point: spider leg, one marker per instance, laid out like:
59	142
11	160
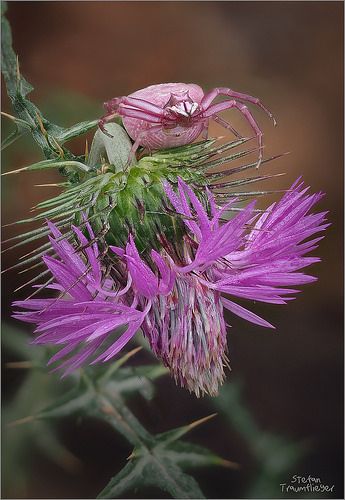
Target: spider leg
138	142
112	105
227	125
216	108
111	108
106	119
210	96
132	108
204	133
143	105
138	114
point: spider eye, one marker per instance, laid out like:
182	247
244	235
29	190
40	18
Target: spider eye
190	107
185	107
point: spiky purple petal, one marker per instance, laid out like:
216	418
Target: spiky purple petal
178	305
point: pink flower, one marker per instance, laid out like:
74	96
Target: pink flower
178	305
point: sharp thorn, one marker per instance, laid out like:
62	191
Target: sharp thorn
201	421
21	421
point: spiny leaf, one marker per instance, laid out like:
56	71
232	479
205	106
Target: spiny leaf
18	88
192	455
76	130
152	471
47	164
276	456
173	435
16	134
73	403
128	478
20	442
21	127
117	364
159	465
112	409
155	461
138	378
47	441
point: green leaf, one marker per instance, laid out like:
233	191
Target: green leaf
116	148
139	378
76	130
173	435
156	460
21	127
128	478
158	463
19	443
192	455
151	470
47	164
75	402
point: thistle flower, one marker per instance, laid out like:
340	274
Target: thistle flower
175	295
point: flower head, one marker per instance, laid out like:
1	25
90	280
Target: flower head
177	298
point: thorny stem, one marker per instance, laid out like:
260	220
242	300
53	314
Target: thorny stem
115	411
118	414
120	417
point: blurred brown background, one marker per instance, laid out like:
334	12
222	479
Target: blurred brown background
290	54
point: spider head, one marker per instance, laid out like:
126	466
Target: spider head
181	108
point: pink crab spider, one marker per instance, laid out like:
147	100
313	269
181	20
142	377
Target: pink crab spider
174	114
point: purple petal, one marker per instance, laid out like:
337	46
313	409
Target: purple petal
245	314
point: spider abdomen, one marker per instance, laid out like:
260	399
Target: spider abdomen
159	138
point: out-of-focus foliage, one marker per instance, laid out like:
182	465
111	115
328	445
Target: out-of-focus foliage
20	441
274	455
156	460
29	419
